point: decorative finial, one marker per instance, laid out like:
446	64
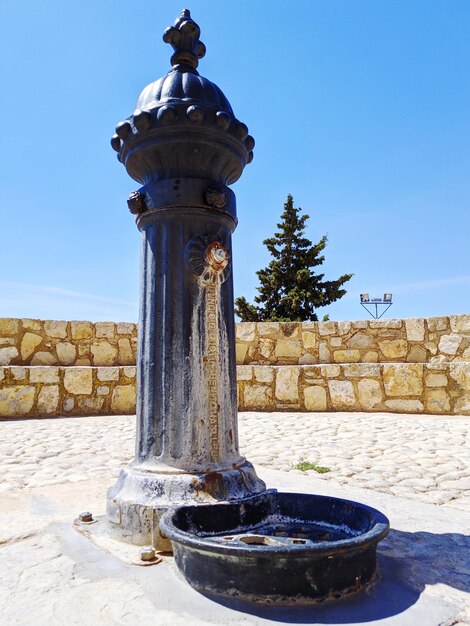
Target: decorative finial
184	38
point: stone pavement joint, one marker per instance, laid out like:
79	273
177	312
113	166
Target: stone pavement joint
425	458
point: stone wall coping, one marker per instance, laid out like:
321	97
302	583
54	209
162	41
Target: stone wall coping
368	320
381	323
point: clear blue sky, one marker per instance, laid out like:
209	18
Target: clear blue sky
360	109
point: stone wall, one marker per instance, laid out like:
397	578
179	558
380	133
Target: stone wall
51	342
51	391
53	368
438	388
414	340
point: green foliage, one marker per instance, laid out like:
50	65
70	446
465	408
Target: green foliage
304	466
289	288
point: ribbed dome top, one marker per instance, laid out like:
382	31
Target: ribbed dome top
184	86
183	126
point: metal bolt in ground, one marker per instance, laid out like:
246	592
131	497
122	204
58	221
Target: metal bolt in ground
147	553
85	517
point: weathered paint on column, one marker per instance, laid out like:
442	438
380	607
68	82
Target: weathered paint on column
186	406
184	145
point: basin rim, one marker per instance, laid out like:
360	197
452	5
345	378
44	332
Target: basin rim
357	543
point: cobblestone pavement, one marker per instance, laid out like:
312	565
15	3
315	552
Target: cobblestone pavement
417	457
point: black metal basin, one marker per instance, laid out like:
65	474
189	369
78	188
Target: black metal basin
277	547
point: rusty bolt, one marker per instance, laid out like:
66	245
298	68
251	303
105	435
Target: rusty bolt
147	553
85	517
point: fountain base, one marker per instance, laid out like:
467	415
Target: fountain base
140	497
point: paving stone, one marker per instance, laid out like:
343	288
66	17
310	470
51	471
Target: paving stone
420	457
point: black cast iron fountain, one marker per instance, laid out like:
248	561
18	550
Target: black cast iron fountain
185	145
188	483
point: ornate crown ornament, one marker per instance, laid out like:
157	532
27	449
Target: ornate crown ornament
183	128
183	36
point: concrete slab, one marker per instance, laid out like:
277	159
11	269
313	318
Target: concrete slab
50	574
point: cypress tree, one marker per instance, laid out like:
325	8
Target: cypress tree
289	288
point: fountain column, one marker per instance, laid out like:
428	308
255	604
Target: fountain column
185	146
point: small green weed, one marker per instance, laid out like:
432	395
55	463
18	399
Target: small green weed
304	465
